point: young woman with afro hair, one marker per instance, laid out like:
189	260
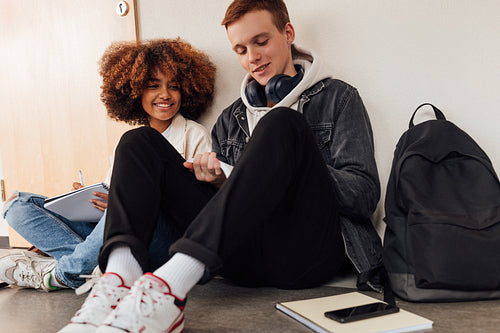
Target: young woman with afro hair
162	85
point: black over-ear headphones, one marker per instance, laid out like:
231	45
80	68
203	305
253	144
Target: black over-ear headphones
276	88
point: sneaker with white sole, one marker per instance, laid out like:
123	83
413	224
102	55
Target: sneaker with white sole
27	269
91	280
149	307
104	297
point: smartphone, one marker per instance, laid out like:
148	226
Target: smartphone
360	312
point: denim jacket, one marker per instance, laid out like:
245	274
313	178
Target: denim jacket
337	116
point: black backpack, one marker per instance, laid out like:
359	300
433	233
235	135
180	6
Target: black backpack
442	206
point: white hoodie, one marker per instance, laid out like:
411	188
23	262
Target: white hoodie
313	72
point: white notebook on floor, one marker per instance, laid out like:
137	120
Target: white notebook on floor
311	313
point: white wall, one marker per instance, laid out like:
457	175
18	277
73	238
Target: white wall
398	54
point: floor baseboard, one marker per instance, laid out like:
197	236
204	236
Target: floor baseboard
4	242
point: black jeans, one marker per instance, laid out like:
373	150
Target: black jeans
274	221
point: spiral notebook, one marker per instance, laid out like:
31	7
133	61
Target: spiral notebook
75	205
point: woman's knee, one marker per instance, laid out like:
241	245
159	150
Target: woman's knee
138	135
138	139
18	206
12	197
8	203
10	208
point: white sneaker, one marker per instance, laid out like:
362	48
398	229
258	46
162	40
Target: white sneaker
27	269
103	298
91	280
149	307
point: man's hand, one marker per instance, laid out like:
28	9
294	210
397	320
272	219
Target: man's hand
206	168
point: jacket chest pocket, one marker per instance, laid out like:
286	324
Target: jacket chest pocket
232	150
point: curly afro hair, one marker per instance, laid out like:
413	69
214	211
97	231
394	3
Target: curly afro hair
126	68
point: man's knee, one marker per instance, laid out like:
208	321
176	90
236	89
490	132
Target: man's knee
283	114
283	120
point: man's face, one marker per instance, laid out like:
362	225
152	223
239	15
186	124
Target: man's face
262	50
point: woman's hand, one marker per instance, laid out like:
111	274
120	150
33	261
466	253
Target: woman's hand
206	168
101	203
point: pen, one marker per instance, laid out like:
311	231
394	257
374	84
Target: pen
81	177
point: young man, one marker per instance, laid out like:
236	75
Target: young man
303	187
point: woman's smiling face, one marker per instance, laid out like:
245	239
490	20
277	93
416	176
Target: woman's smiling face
161	100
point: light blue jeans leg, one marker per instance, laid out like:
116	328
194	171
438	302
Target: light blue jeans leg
51	233
83	259
75	245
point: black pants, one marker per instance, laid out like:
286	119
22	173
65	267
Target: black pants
274	221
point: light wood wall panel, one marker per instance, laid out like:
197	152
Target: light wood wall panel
52	122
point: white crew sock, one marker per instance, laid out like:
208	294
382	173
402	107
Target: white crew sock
53	282
181	272
122	262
